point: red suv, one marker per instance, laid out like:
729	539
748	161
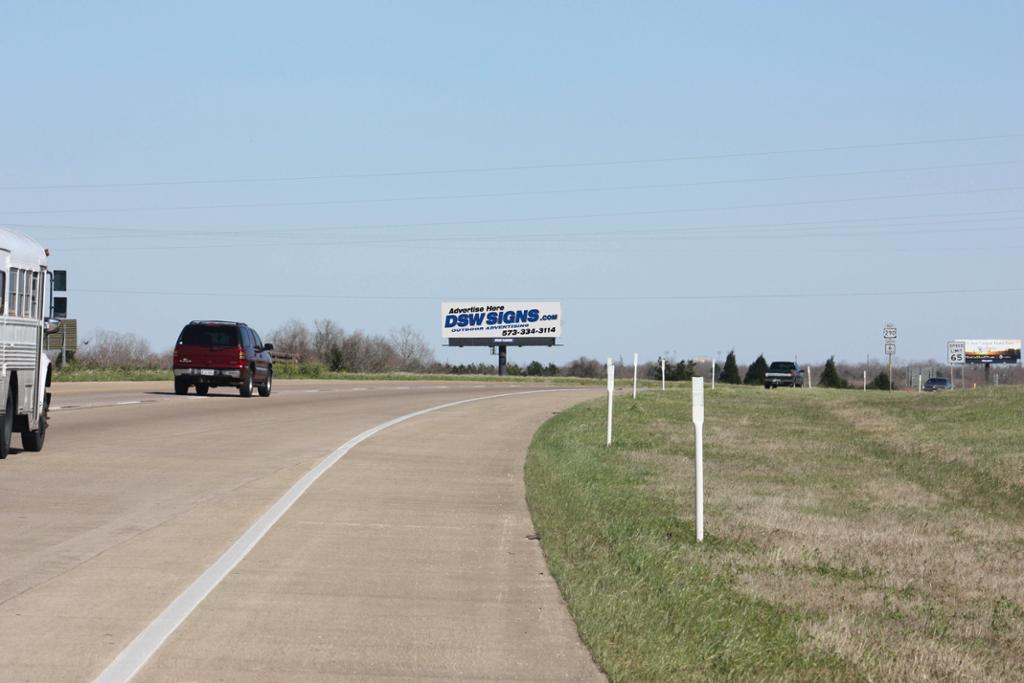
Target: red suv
217	353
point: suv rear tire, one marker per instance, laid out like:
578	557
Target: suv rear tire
202	389
245	389
264	388
180	386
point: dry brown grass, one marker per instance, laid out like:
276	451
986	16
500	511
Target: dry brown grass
897	533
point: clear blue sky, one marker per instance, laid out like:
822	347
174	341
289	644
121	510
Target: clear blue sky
124	101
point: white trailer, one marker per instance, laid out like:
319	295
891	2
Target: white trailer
25	373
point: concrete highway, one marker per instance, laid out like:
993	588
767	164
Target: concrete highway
176	538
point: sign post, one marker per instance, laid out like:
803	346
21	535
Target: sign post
698	460
956	354
889	336
636	360
611	393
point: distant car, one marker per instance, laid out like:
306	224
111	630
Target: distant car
783	374
938	384
217	353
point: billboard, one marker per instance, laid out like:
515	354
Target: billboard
991	350
506	321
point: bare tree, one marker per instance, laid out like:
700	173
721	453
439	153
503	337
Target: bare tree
328	339
109	349
293	338
362	353
413	352
584	367
379	355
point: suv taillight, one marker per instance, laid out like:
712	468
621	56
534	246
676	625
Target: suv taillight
241	357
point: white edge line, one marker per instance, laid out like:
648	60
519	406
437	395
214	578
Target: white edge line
135	655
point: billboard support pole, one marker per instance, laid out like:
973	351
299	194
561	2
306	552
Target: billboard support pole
502	361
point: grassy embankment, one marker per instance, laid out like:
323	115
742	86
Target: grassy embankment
850	535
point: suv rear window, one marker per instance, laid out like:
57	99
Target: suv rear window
209	335
779	366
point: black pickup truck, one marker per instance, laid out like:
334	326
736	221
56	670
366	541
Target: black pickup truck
783	374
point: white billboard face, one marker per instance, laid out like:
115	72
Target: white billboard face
992	350
501	320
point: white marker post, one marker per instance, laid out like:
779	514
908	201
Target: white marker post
663	374
712	376
809	379
919	383
636	361
865	380
698	460
611	392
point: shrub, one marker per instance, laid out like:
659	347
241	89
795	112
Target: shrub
730	372
756	371
830	376
881	381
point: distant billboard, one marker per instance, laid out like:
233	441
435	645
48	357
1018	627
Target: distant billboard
501	321
992	351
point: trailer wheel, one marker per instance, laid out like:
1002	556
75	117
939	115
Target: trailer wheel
32	440
7	425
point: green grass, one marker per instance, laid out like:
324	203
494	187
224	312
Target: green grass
850	535
74	374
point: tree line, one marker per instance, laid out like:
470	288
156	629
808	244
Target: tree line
325	346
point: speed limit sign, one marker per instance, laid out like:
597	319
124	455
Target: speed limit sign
956	352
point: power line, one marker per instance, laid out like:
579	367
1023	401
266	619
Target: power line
661	235
291	231
525	167
682	297
265	205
